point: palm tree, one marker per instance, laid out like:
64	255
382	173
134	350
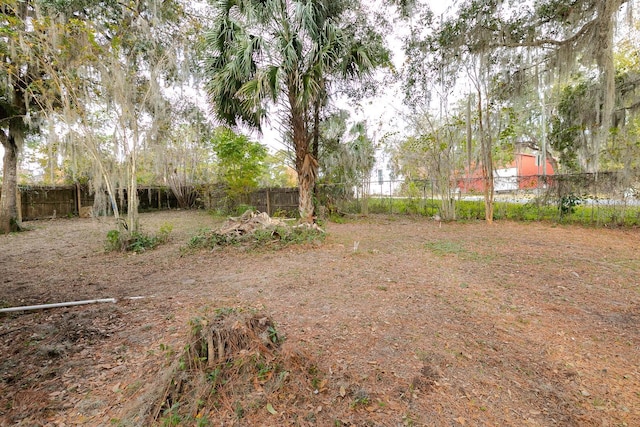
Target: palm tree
348	157
284	53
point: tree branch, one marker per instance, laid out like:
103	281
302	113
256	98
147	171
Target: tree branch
547	41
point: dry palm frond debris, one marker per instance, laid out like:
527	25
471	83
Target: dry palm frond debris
249	222
258	228
234	366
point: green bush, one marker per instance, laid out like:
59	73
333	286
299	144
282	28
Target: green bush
567	203
113	241
275	237
571	209
379	206
470	209
136	242
242	208
208	239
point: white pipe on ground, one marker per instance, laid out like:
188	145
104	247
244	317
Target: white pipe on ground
57	304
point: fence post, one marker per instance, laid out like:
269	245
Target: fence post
268	195
595	199
78	198
19	204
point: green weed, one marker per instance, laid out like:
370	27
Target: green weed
170	417
273	237
242	208
136	242
238	410
361	399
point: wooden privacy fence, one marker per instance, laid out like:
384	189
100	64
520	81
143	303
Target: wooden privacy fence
42	202
275	200
269	200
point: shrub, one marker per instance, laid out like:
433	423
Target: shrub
274	237
136	242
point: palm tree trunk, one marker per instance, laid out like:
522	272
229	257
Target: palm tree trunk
305	205
315	148
8	199
306	164
306	182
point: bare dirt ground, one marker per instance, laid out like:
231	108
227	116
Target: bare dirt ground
408	322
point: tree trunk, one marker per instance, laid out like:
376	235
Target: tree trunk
487	167
132	187
607	11
305	193
487	161
306	164
132	197
306	182
9	221
315	147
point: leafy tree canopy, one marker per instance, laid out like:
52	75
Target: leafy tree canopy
241	162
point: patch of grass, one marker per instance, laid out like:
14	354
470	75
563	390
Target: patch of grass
445	247
409	420
449	247
337	219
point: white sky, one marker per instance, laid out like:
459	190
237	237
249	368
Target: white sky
383	112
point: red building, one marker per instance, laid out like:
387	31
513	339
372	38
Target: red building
522	173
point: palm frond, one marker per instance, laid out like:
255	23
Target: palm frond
279	51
